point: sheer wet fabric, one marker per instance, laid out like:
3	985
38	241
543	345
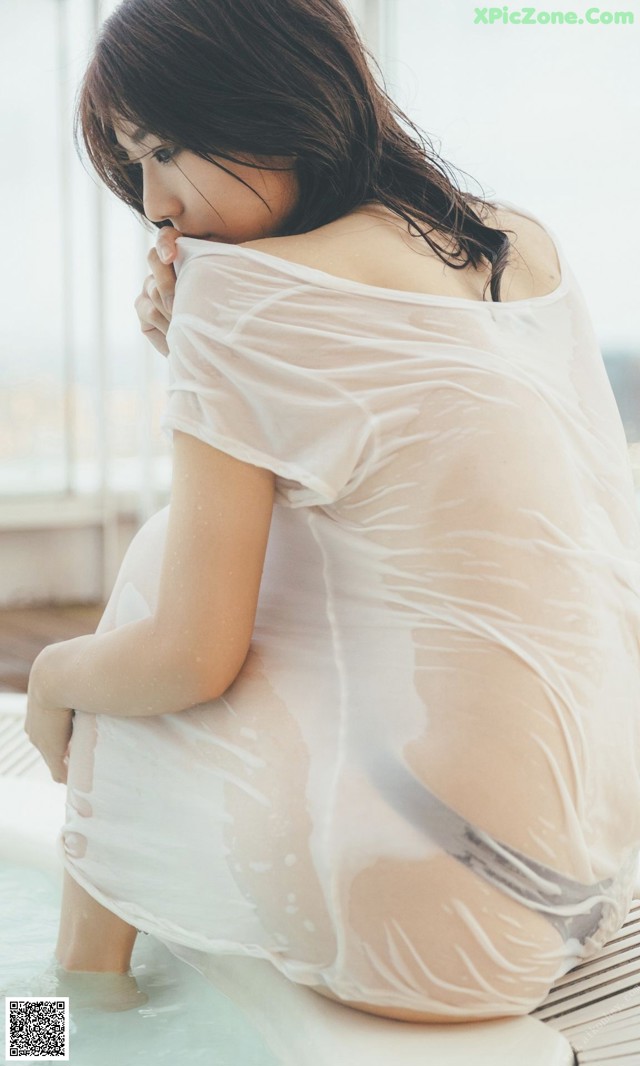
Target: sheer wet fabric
423	788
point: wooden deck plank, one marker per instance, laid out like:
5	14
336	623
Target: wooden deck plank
25	631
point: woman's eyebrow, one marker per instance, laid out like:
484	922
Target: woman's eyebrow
137	136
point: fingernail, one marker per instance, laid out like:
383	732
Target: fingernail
164	254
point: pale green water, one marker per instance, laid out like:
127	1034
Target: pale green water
186	1021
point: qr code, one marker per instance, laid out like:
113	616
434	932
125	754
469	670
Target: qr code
37	1027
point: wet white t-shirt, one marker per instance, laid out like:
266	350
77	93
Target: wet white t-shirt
423	788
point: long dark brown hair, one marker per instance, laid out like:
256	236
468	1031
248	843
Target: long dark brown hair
270	78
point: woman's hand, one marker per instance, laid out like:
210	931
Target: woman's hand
154	304
48	727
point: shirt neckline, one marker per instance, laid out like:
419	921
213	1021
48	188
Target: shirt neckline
335	281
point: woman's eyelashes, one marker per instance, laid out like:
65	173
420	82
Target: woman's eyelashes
163	156
169	152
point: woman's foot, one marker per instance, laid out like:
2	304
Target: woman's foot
86	989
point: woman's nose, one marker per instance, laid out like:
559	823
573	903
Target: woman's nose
159	204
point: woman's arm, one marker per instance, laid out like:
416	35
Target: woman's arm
125	672
194	646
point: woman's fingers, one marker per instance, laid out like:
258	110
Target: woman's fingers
165	279
154	323
166	243
149	307
155	303
158	339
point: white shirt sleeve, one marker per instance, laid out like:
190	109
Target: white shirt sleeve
244	378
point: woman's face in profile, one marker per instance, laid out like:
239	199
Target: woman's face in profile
202	200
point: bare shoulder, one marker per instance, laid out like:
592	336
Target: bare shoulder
339	248
335	243
374	246
534	255
298	247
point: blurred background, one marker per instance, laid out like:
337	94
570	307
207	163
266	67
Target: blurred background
545	116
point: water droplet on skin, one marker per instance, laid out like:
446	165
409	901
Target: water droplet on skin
290	909
291	896
290	859
308	924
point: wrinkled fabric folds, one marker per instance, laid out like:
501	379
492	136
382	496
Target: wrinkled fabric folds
423	789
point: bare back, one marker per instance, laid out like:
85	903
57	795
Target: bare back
373	246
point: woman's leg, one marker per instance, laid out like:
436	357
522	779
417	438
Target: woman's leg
91	937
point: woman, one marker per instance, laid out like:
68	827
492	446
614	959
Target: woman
363	701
